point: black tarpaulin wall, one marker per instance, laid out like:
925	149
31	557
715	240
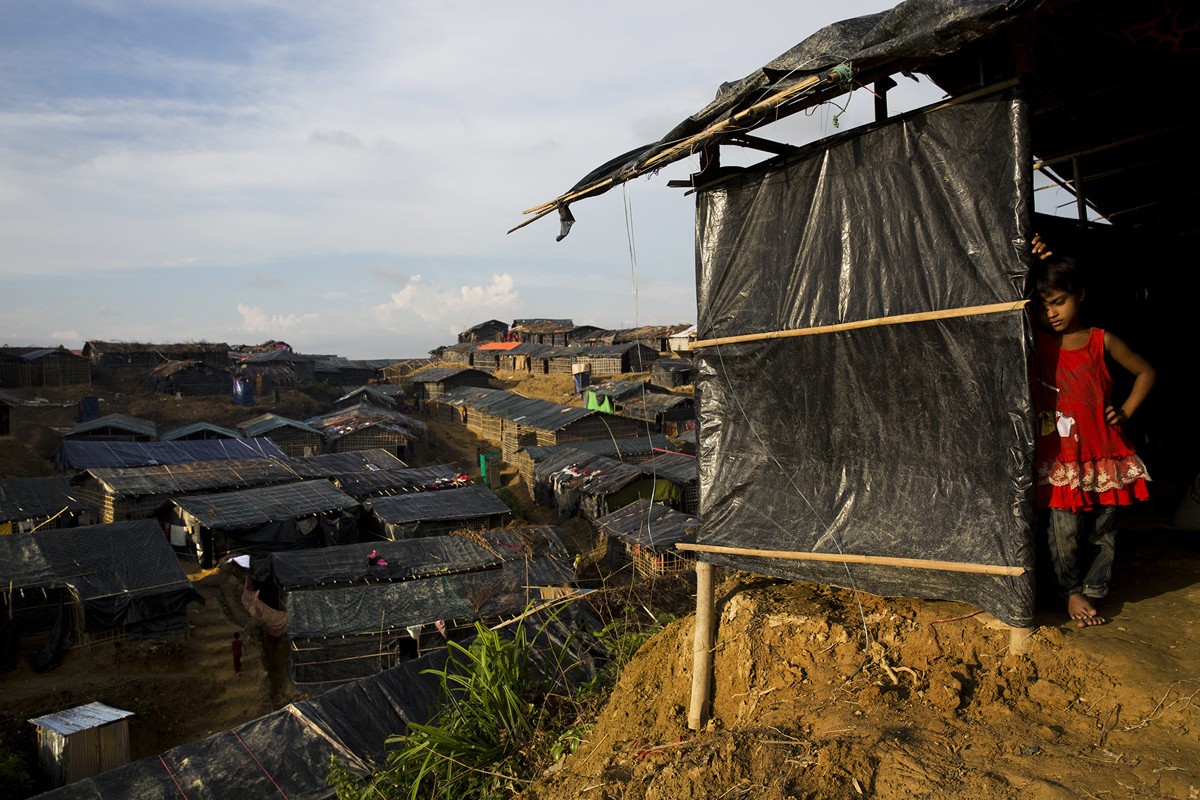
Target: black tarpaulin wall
910	440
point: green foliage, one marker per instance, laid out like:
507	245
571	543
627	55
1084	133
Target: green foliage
498	727
15	780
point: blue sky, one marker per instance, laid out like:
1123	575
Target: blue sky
341	175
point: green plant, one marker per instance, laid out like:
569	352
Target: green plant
15	780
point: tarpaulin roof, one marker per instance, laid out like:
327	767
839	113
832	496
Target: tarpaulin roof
677	467
1073	57
650	406
540	414
263	424
601	475
343	422
196	427
141	427
619	390
648	524
197	476
467	502
110	567
365	484
253	507
27	498
76	455
440	374
330	465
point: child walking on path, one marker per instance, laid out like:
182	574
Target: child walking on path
235	647
1086	466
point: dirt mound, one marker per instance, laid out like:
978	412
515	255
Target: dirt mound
820	692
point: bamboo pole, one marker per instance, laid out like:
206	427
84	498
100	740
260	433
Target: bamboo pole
897	319
854	558
702	647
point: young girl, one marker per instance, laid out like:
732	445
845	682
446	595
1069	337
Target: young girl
1085	465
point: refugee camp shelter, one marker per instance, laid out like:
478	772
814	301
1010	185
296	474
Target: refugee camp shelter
366	426
630	449
294	437
578	482
491	331
81	742
351	630
384	395
87	584
386	482
673	372
648	533
42	366
144	355
863	343
263	520
521	357
122	493
430	384
113	428
663	412
80	455
198	431
460	354
617	359
29	504
413	514
189	379
656	337
553	332
559	360
610	396
684	471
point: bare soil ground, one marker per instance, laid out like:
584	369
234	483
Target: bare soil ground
819	692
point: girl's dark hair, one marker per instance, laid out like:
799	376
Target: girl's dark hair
1057	274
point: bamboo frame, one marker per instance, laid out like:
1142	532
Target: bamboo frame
875	322
854	558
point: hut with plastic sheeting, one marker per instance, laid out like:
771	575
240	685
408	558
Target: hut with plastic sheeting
263	520
123	493
386	482
521	357
189	379
82	742
684	471
42	366
87	584
617	359
113	428
366	426
288	752
630	449
646	534
431	384
663	413
384	395
31	504
292	436
863	342
491	331
343	632
85	455
673	372
558	360
413	514
656	337
577	482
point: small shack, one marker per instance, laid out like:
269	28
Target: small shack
684	471
367	426
521	357
293	437
577	482
31	504
491	331
673	372
189	379
630	449
431	384
39	367
263	520
81	742
414	514
351	372
113	428
610	397
617	359
648	533
664	413
553	332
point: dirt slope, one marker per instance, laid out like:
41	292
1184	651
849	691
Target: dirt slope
934	706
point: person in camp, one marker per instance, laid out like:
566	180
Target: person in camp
1086	467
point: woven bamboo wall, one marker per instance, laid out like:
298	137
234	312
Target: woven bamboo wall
649	564
370	439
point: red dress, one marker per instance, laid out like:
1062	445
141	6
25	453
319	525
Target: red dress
1082	461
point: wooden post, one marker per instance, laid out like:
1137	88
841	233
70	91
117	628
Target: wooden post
702	647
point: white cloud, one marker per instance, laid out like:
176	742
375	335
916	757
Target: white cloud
256	320
433	303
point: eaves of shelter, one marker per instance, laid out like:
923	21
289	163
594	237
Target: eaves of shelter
250	507
196	476
645	523
530	412
121	422
439	374
265	423
24	498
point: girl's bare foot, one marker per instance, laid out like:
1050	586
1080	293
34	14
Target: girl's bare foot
1082	611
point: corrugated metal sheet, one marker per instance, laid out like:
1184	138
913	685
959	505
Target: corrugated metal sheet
80	718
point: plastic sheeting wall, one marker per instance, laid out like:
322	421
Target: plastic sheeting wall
911	440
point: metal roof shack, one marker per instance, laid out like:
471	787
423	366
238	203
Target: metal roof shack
667	413
630	449
558	360
29	504
414	514
673	372
263	520
366	426
430	384
684	471
83	741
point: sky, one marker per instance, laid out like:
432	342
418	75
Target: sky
341	176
